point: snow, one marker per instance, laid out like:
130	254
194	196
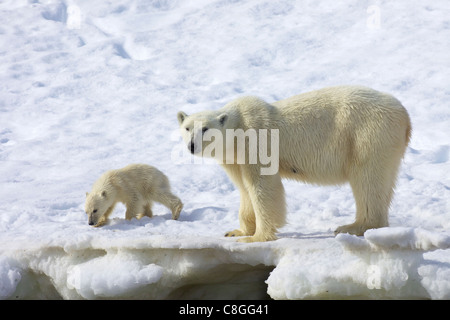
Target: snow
88	86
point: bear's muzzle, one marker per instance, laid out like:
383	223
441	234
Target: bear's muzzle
191	147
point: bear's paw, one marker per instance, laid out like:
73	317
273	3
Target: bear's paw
234	233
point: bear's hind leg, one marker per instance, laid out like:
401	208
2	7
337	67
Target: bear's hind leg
373	191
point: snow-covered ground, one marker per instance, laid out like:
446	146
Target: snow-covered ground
88	86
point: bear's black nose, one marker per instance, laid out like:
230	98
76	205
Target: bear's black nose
91	223
191	147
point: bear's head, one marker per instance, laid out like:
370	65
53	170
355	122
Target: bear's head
202	131
96	206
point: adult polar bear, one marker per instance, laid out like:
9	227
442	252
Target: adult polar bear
329	136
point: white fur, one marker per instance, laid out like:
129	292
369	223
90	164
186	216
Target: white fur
329	136
137	186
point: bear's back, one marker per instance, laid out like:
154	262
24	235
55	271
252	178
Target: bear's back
332	127
353	98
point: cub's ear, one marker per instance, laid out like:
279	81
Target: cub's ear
87	193
104	194
223	118
181	116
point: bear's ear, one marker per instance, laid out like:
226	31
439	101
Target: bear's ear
87	193
223	118
104	194
181	116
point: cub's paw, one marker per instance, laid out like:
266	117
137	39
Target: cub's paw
176	210
100	224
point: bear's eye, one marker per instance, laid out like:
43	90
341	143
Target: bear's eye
204	129
187	129
95	211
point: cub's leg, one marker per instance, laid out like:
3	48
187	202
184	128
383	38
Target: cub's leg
171	201
147	211
132	210
104	219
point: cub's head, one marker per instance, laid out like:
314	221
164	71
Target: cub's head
96	206
202	129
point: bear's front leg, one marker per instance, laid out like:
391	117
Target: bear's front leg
246	216
266	193
246	213
355	228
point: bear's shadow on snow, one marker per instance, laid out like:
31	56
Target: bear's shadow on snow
298	235
198	214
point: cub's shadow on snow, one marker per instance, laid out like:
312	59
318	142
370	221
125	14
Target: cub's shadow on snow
159	219
125	225
205	213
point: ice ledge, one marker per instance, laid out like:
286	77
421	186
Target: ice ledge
386	263
396	238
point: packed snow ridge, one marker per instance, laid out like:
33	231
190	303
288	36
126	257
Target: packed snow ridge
89	86
386	263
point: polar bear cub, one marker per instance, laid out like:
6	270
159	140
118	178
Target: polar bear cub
329	136
136	186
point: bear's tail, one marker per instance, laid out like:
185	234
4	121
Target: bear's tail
408	130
